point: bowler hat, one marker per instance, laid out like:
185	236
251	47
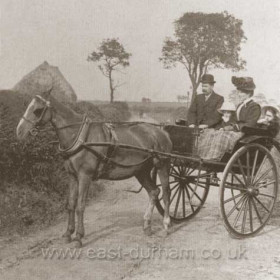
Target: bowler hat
207	79
243	83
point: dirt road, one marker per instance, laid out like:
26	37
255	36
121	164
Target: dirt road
115	247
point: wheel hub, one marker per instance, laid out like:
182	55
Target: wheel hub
252	192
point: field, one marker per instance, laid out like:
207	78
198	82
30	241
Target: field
158	111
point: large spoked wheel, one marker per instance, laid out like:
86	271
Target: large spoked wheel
188	192
248	190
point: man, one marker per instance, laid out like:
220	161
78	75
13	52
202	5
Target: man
204	109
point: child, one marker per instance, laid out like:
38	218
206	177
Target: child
270	121
227	110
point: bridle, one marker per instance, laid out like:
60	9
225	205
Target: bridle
36	124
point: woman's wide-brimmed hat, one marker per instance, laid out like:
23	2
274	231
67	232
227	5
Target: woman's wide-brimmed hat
227	106
272	107
243	83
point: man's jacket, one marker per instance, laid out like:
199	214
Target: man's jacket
204	111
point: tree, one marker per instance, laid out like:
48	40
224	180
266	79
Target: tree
203	41
111	56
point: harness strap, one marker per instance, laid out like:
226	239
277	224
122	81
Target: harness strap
106	159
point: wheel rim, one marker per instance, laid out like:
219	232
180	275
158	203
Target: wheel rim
248	190
187	195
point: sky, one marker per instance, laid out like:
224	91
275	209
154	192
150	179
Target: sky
65	32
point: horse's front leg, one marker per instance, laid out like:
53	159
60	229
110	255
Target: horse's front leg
84	182
71	205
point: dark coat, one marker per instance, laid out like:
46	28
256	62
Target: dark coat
248	115
272	127
205	112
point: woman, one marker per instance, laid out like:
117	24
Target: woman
213	144
248	111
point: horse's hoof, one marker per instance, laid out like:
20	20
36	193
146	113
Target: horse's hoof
148	231
77	243
67	239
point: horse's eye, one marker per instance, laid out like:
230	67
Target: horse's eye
38	112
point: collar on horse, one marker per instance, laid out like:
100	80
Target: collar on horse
79	140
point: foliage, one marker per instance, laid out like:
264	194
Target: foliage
203	41
115	112
111	56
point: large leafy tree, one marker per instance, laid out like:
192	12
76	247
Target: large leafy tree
110	56
203	41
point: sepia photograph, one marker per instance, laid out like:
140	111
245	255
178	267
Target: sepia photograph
139	139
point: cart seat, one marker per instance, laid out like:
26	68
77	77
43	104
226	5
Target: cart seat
183	138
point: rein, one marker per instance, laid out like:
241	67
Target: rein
82	134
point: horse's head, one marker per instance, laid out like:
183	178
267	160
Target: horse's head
37	114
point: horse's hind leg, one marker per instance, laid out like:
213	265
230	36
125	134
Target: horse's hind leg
163	173
153	192
71	205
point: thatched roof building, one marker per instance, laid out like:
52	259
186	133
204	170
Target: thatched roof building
43	78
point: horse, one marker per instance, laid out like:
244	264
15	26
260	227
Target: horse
85	164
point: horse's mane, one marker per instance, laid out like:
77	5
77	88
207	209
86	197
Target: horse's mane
64	109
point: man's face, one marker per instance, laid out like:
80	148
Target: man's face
268	116
207	88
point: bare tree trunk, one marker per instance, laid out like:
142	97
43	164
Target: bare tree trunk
194	90
111	87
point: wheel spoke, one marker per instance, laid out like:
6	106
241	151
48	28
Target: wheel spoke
184	169
242	171
236	177
250	214
267	195
202	186
244	216
233	198
171	190
261	204
248	164
191	172
236	205
173	168
261	166
174	195
254	165
194	193
256	210
263	175
189	197
239	213
266	184
177	203
184	202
